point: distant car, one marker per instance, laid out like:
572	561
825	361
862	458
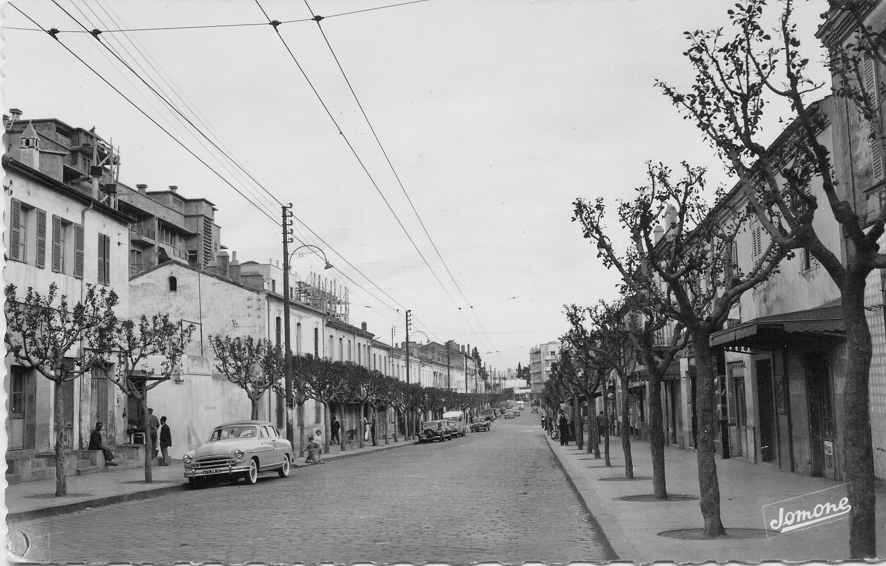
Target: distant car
239	449
479	424
451	428
432	431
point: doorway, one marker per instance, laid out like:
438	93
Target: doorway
765	410
821	418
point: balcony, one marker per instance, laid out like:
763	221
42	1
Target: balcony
144	232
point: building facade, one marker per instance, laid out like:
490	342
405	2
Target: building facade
540	359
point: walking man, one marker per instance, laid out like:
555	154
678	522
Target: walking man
165	442
153	424
336	426
563	425
602	424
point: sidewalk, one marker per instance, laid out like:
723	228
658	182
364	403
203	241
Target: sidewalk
632	527
34	499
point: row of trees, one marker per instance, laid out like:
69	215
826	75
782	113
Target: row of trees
61	341
680	281
258	367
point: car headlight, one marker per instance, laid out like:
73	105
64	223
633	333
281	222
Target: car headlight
238	455
188	459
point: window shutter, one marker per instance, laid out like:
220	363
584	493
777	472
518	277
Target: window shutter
871	86
104	248
40	259
16	232
78	250
57	262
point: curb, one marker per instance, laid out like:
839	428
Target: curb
614	538
99	502
356	452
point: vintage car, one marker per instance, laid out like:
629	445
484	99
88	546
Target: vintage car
432	431
240	449
452	428
458	419
479	424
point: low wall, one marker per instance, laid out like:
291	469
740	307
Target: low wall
30	465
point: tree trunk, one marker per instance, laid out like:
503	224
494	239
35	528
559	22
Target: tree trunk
606	459
300	417
576	423
255	407
362	427
626	428
61	482
858	457
708	486
149	445
656	437
326	426
593	431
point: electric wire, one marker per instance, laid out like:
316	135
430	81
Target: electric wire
170	104
317	20
145	114
351	147
216	26
54	33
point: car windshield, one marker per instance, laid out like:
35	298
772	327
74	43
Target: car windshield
233	432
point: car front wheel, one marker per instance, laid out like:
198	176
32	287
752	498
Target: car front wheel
252	474
285	468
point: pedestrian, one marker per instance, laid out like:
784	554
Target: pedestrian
165	442
365	429
372	430
313	450
318	438
563	425
602	424
153	425
95	443
336	427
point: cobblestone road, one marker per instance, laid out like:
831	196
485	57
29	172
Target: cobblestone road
488	496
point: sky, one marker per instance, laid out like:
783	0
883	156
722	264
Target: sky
496	114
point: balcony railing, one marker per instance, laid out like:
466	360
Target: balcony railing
143	230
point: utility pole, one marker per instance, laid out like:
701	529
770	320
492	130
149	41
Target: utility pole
287	239
408	326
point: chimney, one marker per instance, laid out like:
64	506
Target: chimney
221	259
173	188
363	326
235	268
142	188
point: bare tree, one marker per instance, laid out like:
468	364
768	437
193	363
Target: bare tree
687	275
242	361
132	343
737	76
42	330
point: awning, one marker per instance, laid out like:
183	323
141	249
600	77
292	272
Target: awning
812	327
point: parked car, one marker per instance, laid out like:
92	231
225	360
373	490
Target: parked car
432	431
239	449
458	419
480	424
451	428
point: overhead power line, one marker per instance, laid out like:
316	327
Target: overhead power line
203	162
217	26
394	170
352	148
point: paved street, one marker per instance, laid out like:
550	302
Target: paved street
488	496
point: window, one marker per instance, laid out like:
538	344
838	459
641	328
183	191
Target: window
316	342
104	259
173	284
17	393
17	231
135	262
871	85
341	350
273	285
331	351
60	238
349	351
277	333
78	251
298	338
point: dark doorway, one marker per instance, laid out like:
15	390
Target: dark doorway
765	410
674	398
821	421
739	416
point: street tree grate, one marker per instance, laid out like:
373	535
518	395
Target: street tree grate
698	534
651	497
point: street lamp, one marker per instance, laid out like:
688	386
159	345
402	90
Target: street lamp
287	258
